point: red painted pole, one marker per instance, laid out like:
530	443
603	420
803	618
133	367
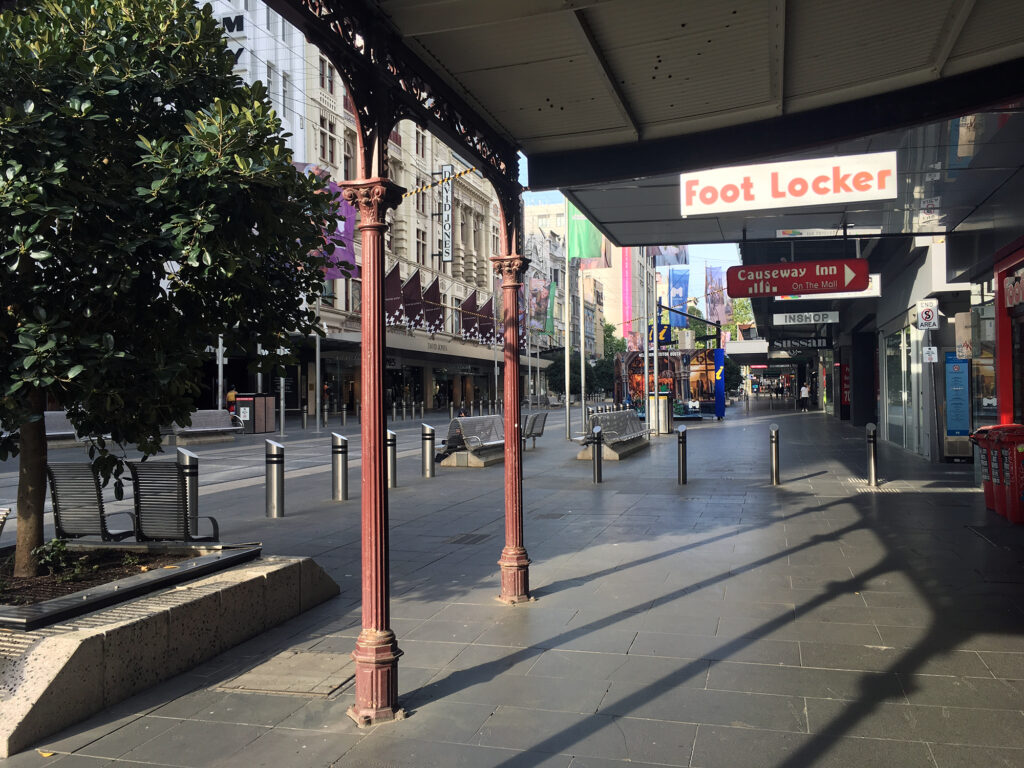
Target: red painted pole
376	653
514	562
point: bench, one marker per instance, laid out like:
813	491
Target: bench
78	503
622	432
161	503
474	441
4	514
58	427
208	427
534	427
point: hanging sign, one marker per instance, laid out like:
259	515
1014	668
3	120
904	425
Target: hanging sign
799	277
447	183
805	318
823	181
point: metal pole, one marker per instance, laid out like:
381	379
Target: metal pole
317	388
773	441
394	411
280	407
220	371
275	479
188	466
259	373
359	413
583	352
326	414
344	415
567	320
305	417
428	450
339	467
647	325
657	384
681	431
451	410
392	450
598	448
404	404
872	439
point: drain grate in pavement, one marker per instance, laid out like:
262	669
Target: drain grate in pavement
468	538
870	489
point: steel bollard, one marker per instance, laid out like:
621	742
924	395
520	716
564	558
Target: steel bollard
428	450
681	431
773	441
339	467
872	440
403	410
275	479
327	413
451	411
281	404
598	448
423	410
188	466
472	408
305	417
344	415
359	413
394	411
392	450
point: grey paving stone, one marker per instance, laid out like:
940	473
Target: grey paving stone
127	737
977	692
735	649
801	681
608	666
277	748
195	744
889	659
1009	666
955	756
908	722
555	694
383	751
324	716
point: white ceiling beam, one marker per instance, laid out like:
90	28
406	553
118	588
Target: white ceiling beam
608	77
777	56
954	24
421	18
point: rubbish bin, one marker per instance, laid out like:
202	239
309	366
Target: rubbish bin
1011	451
246	411
664	413
985	439
256	410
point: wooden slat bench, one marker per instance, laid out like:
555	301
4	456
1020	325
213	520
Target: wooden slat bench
5	512
161	503
474	441
534	427
78	503
208	427
623	435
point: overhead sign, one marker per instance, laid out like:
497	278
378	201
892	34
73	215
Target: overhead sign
873	291
806	343
805	318
928	316
447	183
800	277
823	181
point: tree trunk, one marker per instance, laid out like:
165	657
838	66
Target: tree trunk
31	487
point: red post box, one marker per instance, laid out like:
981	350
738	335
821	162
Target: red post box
1011	450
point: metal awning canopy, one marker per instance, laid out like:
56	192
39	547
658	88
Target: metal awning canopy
610	99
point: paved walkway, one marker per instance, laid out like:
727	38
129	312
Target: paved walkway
721	624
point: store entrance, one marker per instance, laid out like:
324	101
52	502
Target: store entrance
1017	326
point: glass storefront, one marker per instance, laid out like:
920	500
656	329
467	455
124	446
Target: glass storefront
901	389
983	362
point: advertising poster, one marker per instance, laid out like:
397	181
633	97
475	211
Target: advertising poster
678	292
958	402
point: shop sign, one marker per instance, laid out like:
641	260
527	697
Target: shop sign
447	183
815	342
928	315
800	277
805	318
1013	290
873	291
823	181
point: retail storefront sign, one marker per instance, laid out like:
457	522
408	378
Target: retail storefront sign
822	181
801	277
805	318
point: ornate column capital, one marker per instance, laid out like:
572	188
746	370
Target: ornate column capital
372	197
510	269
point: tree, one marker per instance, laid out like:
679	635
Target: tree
733	375
612	344
147	204
742	313
556	374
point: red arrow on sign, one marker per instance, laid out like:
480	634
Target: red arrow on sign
798	277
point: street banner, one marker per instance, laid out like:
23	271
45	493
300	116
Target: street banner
487	322
393	312
470	317
720	383
433	312
585	242
678	292
669	255
714	288
412	301
338	235
541	305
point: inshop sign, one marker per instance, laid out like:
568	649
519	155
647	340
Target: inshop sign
823	181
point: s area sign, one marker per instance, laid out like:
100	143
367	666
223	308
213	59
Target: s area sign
798	277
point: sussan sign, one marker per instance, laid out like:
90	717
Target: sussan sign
802	277
784	185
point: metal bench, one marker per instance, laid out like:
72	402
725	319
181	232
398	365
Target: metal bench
78	503
4	514
534	427
58	427
161	503
474	441
622	432
207	427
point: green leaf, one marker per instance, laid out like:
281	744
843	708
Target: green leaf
29	361
75	370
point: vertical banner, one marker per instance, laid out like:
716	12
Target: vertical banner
447	184
720	383
678	291
585	242
958	403
627	293
714	289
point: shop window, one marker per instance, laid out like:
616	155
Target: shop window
357	296
421	247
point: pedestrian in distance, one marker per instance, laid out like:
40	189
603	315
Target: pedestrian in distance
805	393
232	393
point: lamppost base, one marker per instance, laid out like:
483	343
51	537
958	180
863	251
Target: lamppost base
515	575
376	656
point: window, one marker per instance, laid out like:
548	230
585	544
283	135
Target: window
269	19
421	246
357	296
323	137
286	32
270	79
495	244
346	158
421	197
476	234
542	222
330	150
421	142
328	295
456	315
285	93
330	78
323	72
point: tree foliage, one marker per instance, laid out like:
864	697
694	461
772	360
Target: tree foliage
613	344
147	204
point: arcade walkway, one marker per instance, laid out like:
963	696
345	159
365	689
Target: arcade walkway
721	624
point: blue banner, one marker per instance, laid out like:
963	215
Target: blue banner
958	402
720	383
678	291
